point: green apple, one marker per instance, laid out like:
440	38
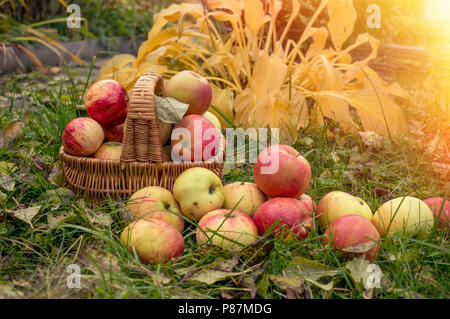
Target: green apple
198	191
213	119
407	215
336	204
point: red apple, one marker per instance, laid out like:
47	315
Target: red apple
82	136
195	138
308	202
223	224
353	231
280	171
154	202
247	196
155	241
109	151
191	88
113	133
294	218
435	203
106	102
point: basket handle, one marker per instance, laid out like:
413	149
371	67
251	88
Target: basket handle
142	137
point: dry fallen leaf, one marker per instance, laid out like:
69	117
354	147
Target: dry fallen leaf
26	214
3	197
311	271
7	181
8	292
99	261
57	218
13	132
360	248
294	287
362	271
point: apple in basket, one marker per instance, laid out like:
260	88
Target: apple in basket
191	88
227	229
109	151
113	133
154	202
195	138
155	241
106	102
280	171
82	136
213	119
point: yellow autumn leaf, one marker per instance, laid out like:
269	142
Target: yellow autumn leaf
342	17
116	63
319	37
378	112
223	99
330	79
254	15
234	6
269	74
175	11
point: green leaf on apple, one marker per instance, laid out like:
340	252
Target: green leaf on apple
169	109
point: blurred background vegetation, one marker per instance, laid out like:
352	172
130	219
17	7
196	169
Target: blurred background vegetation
131	18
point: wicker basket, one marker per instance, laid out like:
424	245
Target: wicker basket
141	163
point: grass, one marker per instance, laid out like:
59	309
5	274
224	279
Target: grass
34	259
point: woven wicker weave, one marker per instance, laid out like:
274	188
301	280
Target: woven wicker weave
141	163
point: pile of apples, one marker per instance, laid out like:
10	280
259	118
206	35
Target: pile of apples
100	135
234	215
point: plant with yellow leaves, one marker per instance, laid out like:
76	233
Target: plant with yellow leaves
262	78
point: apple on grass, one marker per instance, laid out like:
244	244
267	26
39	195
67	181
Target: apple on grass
198	191
440	209
155	241
355	234
195	138
191	88
280	171
247	196
337	203
106	102
155	202
292	218
406	215
109	151
226	228
308	202
82	136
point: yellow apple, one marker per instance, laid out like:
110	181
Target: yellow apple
155	241
198	191
155	202
407	215
225	228
248	195
336	204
